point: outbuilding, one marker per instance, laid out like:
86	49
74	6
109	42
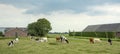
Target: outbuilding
115	27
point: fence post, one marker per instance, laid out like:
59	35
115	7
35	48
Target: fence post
106	34
81	34
96	34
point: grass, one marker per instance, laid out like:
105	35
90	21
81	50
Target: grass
76	46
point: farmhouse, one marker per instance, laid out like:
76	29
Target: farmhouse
12	31
104	28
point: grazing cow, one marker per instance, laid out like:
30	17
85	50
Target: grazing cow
37	39
16	40
110	41
93	40
44	39
64	39
31	37
97	40
58	39
11	43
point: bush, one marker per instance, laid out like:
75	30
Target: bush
1	34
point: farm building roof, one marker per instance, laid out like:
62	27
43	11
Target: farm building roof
4	29
103	28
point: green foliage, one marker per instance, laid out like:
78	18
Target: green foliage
16	34
111	34
72	33
39	28
88	34
1	33
93	34
31	29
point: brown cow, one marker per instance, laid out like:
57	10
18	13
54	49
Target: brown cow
58	39
91	40
62	39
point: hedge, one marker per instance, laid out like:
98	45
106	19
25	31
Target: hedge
93	34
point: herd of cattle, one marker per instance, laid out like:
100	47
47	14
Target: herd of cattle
61	39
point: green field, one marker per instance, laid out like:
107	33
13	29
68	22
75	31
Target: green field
76	46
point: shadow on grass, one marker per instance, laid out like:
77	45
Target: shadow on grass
3	38
53	43
117	40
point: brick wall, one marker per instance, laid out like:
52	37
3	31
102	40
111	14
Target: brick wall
118	34
13	31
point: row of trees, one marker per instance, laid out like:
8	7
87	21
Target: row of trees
39	28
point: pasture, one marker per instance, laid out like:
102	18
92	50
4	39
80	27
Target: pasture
76	46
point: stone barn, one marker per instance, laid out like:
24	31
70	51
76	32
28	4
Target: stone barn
104	28
8	32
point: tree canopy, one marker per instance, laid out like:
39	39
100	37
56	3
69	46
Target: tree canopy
1	33
39	28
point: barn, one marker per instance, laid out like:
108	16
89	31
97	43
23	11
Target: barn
13	31
115	27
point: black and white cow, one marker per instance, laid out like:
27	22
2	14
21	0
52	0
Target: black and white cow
11	43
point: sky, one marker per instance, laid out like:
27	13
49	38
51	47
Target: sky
64	15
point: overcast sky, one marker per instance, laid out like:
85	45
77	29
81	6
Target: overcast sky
64	15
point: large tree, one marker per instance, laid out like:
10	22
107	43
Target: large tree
39	28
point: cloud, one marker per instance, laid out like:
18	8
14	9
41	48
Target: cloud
37	7
113	9
61	20
78	21
12	16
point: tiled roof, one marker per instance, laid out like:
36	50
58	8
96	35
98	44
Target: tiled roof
4	29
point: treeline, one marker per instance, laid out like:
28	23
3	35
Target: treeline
93	34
